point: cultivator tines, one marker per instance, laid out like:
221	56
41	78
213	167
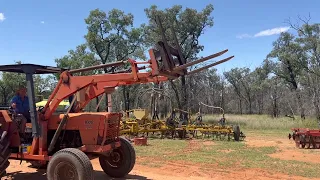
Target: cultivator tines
181	127
140	125
306	138
217	132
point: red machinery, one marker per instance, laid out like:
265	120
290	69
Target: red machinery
66	142
306	138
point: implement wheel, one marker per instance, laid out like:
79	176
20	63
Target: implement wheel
70	164
303	141
120	162
236	133
4	152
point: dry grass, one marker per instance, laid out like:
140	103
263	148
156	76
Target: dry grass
263	122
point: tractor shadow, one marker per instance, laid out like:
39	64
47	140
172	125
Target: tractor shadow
20	175
41	175
102	175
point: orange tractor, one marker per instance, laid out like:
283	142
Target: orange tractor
65	143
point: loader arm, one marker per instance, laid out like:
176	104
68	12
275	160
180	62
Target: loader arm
94	85
166	62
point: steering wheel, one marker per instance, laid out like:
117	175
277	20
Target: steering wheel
11	110
40	108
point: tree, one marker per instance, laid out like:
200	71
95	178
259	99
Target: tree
291	60
189	25
287	79
11	81
78	58
44	85
309	39
241	80
260	85
9	84
113	38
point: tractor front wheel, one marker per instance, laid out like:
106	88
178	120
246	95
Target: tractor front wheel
70	163
120	162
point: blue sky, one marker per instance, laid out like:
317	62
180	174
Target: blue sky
37	31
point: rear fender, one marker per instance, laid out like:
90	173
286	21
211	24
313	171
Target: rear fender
11	127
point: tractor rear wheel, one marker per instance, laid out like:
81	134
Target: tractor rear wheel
120	162
4	152
70	163
236	131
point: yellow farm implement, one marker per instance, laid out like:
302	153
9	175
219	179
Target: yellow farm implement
137	123
140	123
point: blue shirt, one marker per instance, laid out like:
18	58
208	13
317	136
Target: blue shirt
22	106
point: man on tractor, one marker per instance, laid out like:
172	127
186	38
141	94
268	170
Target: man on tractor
20	103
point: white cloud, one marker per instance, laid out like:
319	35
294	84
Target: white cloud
2	18
268	32
241	36
42	22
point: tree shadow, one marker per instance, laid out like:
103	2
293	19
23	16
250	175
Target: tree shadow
41	175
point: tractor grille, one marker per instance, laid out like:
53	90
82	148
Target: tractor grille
113	127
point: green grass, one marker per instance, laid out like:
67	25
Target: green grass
161	148
262	122
225	155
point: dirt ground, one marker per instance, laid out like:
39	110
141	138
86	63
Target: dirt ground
184	170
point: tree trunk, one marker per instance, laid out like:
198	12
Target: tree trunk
240	105
275	103
275	107
316	102
316	106
176	94
127	99
151	105
259	104
184	93
250	105
222	97
300	104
